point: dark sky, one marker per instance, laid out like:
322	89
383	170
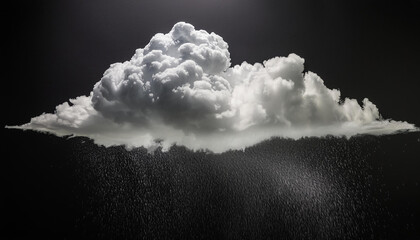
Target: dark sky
56	50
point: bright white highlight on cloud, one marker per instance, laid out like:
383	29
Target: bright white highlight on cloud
180	89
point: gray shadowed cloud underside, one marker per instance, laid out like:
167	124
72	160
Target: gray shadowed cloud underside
181	89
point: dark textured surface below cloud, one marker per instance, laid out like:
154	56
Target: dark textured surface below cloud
314	188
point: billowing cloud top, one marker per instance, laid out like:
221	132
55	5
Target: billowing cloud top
180	89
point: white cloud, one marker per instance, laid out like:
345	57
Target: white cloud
180	89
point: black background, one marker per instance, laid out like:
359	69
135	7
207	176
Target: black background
56	50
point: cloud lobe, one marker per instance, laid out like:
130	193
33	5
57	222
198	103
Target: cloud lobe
180	89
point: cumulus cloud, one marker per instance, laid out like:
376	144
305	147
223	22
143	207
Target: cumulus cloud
181	89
